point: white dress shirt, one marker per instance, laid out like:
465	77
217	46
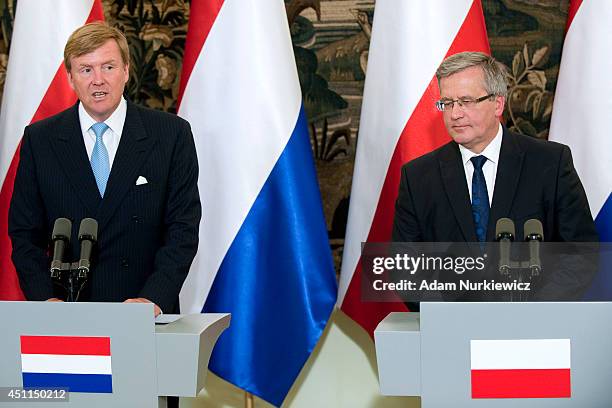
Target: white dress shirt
491	152
111	137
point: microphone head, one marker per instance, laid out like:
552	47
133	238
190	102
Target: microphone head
88	229
504	228
533	229
62	229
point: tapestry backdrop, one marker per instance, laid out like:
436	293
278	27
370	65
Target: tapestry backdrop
331	40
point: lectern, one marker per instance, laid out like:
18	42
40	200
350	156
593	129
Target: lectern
544	354
107	354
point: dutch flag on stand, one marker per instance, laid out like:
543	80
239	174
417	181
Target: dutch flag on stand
78	364
581	113
264	254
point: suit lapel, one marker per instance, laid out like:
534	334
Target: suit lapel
131	154
453	178
506	181
72	156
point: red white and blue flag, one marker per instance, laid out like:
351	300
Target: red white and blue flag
533	368
36	87
399	122
264	254
581	112
77	364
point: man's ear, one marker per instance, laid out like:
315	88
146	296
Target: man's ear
70	79
500	102
127	73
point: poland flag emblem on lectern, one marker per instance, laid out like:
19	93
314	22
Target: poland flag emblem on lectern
535	368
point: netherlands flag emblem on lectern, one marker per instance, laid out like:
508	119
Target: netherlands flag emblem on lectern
537	368
78	364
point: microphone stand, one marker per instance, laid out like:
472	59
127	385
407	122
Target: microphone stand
74	277
74	274
522	272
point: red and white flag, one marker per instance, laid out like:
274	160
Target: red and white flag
36	87
399	122
521	368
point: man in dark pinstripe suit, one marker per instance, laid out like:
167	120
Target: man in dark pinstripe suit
132	169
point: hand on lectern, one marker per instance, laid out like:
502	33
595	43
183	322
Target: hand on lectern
156	308
54	300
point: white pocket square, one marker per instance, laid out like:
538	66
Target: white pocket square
141	180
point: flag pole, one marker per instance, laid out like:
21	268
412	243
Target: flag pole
249	402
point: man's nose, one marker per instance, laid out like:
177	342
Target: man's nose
456	111
98	78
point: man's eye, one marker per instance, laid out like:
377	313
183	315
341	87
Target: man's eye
466	101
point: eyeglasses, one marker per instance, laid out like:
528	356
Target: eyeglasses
444	105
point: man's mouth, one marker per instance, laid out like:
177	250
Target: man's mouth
99	95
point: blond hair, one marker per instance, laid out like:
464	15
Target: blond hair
92	36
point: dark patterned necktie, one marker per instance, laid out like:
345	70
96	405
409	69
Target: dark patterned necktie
480	198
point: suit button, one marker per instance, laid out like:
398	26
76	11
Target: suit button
125	263
136	218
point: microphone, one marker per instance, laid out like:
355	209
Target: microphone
534	234
88	236
60	237
504	234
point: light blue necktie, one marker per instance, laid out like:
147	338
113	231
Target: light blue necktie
100	164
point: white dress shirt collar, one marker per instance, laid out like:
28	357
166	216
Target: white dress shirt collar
491	152
111	137
115	121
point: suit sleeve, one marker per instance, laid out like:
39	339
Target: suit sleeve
181	227
28	229
405	223
574	268
574	220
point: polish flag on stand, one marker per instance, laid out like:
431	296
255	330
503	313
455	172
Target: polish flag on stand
36	87
521	368
399	122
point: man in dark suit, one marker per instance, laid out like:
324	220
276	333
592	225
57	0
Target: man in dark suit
457	192
132	169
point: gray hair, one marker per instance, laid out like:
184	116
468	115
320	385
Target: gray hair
494	71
